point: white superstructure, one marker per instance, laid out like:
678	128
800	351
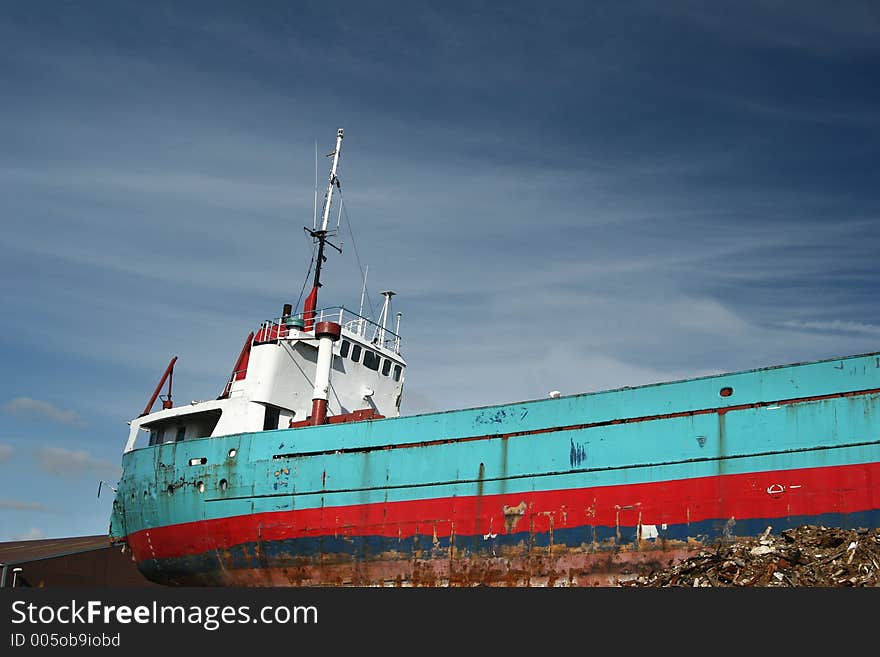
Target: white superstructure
279	381
275	388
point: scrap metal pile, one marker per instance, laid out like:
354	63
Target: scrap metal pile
805	556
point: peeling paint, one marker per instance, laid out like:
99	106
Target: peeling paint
513	514
648	531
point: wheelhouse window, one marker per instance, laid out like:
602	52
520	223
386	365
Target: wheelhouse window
397	372
356	353
344	347
371	359
386	367
181	433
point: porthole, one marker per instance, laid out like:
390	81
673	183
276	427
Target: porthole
232	453
201	486
726	391
170	489
224	484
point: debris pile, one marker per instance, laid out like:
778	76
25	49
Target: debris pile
805	556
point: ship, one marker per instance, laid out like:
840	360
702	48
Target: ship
303	472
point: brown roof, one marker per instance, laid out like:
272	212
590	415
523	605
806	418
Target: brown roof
15	552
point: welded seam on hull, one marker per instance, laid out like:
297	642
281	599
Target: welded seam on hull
576	427
551	474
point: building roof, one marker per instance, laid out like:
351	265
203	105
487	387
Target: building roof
14	552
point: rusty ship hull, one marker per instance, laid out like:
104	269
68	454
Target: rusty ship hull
587	489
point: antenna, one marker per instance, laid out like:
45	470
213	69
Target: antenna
361	307
315	211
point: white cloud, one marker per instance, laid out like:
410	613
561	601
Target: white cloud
31	534
74	463
19	505
833	326
38	407
851	27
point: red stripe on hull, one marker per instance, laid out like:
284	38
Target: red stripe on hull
801	492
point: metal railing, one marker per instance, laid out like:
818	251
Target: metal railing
273	330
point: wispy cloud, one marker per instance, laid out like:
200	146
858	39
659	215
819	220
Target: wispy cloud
804	27
6	452
832	326
20	505
832	112
32	534
41	408
74	463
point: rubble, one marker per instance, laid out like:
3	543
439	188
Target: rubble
810	555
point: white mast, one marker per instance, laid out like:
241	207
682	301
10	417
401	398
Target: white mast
321	237
385	308
333	181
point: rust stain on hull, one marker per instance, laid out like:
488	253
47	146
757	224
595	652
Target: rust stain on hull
549	566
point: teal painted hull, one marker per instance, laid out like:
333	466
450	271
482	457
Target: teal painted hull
582	489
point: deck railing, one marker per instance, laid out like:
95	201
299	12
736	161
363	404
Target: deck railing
279	328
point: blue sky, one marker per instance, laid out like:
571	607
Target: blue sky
565	197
